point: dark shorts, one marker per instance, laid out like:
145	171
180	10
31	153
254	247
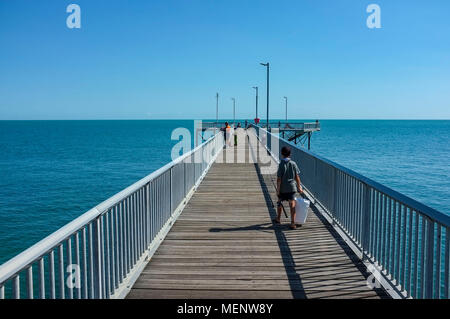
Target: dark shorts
286	196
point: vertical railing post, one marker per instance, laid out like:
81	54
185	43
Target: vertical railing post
315	180
366	222
62	283
334	192
193	168
148	213
41	278
51	261
30	282
430	260
170	191
97	256
16	287
437	287
184	178
447	263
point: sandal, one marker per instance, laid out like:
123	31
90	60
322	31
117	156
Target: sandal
293	226
276	221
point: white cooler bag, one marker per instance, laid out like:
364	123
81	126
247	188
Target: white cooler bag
301	210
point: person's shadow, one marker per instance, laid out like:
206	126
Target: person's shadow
293	277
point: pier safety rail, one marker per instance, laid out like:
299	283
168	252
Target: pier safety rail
291	125
405	241
101	253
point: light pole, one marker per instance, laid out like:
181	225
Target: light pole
234	111
285	98
267	87
256	88
217	108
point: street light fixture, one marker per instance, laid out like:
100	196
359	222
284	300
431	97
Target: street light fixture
267	88
217	108
285	98
234	111
256	88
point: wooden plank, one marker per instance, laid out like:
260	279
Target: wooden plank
250	275
207	294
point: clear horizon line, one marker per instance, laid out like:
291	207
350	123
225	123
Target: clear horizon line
228	119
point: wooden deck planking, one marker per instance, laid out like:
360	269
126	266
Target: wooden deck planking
224	245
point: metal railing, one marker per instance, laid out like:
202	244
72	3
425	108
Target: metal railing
101	253
407	241
297	125
211	125
292	125
218	125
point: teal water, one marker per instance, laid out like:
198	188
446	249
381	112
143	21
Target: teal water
53	171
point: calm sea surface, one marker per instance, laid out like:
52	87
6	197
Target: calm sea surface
53	171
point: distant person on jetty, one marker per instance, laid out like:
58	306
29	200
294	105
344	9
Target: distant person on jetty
288	183
228	134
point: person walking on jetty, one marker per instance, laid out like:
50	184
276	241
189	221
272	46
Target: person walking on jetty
228	134
288	183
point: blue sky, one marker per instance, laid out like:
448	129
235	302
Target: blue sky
168	58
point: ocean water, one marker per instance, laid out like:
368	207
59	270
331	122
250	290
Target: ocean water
53	171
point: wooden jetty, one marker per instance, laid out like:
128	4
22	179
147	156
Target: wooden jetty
224	245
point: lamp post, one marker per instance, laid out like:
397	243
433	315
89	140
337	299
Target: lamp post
234	111
256	88
267	87
217	108
285	98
